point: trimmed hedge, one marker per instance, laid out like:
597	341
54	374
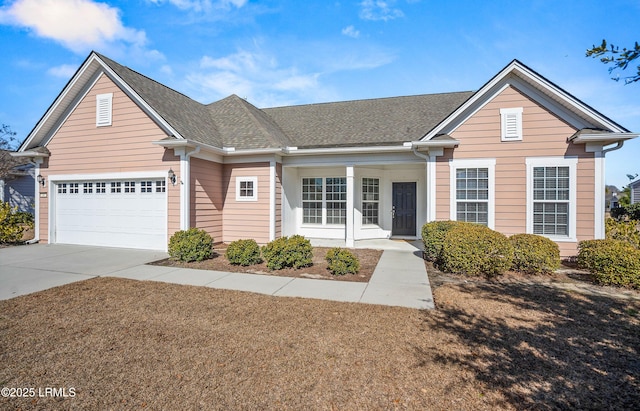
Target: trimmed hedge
433	234
190	245
243	252
534	254
623	230
294	251
474	249
342	261
13	223
611	262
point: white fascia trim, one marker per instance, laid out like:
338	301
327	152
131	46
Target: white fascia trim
344	150
572	163
29	154
109	176
604	138
490	164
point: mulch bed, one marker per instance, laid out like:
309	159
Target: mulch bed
124	344
368	260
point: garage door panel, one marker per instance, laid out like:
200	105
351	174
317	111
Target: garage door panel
118	219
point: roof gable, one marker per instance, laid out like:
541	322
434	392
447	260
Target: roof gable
567	107
244	125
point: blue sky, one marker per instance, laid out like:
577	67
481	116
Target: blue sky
295	52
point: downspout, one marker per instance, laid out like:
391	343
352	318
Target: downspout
617	147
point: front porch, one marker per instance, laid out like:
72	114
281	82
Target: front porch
386	244
367	200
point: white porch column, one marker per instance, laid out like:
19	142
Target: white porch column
431	187
272	200
599	193
36	198
349	235
183	181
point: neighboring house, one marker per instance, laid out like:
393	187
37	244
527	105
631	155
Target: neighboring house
132	161
17	186
635	191
612	194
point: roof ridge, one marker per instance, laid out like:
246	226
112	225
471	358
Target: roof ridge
368	99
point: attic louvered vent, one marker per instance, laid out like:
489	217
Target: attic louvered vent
103	109
511	124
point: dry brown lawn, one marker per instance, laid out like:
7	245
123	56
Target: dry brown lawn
124	344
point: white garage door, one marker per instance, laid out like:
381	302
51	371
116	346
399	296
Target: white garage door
116	213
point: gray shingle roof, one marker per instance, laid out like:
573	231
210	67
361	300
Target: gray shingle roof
377	121
234	122
243	125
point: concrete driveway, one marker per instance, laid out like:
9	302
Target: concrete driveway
30	268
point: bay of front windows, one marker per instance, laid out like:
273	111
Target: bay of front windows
324	200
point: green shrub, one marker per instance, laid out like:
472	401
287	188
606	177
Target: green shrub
243	252
13	223
611	262
473	249
534	254
628	212
623	230
294	251
190	245
433	234
342	261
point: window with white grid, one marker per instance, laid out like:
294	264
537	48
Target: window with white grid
101	188
551	197
87	188
370	200
246	188
473	191
129	186
312	200
472	195
116	187
551	201
336	200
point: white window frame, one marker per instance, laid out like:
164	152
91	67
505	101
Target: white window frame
507	117
104	109
490	165
325	201
253	181
363	202
572	163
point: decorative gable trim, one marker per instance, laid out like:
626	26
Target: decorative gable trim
534	86
511	124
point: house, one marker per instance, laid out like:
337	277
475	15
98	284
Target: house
612	194
635	191
17	182
129	161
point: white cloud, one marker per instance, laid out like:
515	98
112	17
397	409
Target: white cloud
79	25
202	5
351	31
379	10
63	71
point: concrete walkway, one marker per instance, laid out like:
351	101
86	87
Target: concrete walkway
400	279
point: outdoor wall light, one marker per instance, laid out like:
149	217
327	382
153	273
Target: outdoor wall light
172	177
40	180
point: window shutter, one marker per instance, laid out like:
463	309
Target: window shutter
511	119
103	109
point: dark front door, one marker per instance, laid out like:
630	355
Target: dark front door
404	209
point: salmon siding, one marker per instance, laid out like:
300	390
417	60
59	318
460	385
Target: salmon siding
239	170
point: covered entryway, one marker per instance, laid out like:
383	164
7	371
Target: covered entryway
404	209
129	213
